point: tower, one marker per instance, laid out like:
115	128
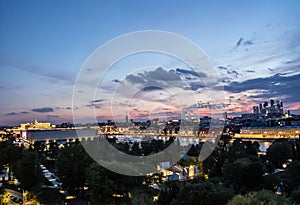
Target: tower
272	102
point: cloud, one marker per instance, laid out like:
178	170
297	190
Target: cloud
116	81
242	42
135	79
151	88
190	72
233	72
17	113
279	85
222	67
250	71
248	43
97	101
160	78
12	113
161	74
196	85
54	116
43	109
239	42
95	104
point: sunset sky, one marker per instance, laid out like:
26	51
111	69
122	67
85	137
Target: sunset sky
254	45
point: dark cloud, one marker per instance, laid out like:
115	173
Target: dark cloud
196	85
232	72
161	74
227	74
43	109
242	42
95	103
294	61
190	72
116	81
94	106
250	71
248	43
17	113
278	85
135	79
239	42
226	80
160	78
12	113
54	116
151	88
222	68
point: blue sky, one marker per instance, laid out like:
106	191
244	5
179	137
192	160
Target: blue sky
45	43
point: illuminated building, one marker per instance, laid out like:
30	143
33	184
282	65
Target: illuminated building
269	133
265	109
36	125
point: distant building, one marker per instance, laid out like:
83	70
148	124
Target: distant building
255	110
264	109
36	125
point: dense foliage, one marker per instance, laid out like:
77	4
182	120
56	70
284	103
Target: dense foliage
234	173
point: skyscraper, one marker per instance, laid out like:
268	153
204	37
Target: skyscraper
260	108
272	102
255	110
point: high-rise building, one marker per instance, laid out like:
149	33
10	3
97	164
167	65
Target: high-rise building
265	109
260	107
225	115
272	102
255	110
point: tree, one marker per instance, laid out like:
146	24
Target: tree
206	193
169	192
9	155
71	164
242	149
105	185
295	197
49	196
292	176
279	152
244	174
28	172
262	198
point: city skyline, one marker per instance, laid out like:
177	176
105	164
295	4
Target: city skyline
254	46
